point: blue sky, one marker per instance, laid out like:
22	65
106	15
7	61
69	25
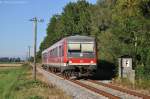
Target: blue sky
16	31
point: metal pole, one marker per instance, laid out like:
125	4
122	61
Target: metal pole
29	53
35	20
26	56
35	39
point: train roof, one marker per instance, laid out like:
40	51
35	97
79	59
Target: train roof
46	50
76	38
80	38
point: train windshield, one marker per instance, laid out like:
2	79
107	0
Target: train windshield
81	50
87	47
74	47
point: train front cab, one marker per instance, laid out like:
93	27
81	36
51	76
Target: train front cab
81	56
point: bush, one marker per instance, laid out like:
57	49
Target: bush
142	72
139	72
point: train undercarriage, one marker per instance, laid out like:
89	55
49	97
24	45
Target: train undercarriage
72	71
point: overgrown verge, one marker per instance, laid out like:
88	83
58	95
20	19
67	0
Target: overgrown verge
140	85
16	83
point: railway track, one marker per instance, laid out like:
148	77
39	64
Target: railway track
121	89
110	96
107	90
98	91
117	91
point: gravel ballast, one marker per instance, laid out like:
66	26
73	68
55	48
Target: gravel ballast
76	91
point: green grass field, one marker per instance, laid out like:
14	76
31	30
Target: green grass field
17	83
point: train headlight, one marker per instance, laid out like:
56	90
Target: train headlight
70	61
91	61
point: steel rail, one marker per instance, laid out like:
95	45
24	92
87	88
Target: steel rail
98	91
121	89
110	96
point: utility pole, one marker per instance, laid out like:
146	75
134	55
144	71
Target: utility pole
26	60
35	20
29	47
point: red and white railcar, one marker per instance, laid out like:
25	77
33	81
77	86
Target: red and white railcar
73	53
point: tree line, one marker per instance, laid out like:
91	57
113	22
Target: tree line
121	27
7	59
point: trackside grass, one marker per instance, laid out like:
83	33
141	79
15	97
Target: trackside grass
142	86
17	83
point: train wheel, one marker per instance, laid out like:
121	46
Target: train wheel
50	69
78	75
70	73
54	70
47	69
67	74
64	74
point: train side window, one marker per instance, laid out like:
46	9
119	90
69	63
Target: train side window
52	52
60	51
56	52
